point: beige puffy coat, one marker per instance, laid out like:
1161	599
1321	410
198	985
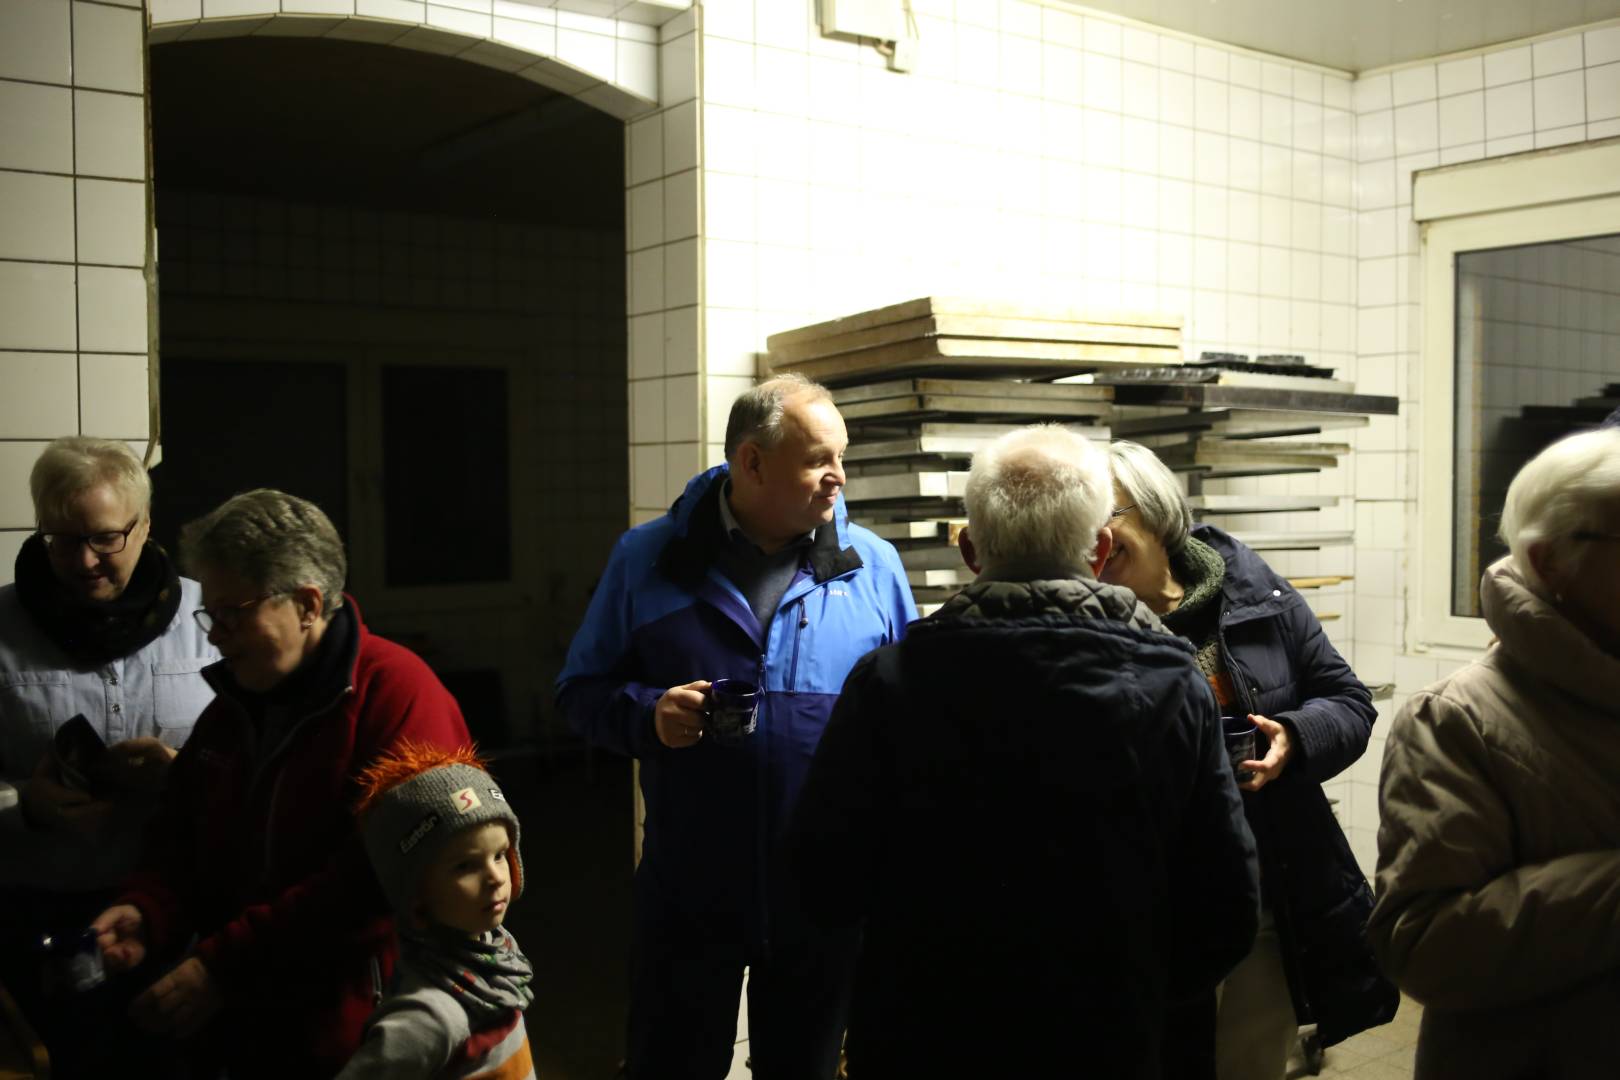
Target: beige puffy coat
1498	890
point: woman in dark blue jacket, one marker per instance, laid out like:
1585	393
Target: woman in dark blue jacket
1267	658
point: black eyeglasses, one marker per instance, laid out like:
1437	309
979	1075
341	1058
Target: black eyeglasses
102	543
1122	510
227	616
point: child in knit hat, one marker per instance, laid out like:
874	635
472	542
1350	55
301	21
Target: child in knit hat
444	843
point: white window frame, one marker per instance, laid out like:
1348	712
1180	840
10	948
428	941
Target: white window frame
1541	197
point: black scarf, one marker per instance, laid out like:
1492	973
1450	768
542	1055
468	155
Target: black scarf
94	634
488	974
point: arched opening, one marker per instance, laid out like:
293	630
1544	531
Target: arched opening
393	282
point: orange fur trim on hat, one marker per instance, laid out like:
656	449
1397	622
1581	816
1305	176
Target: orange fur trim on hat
402	761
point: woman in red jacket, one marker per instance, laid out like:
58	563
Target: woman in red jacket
253	858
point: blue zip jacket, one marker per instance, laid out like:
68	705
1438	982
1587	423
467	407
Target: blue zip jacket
663	616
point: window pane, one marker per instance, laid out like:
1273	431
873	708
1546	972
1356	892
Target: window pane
1538	357
447	511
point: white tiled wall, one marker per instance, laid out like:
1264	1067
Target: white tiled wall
1517	97
1037	152
604	52
662	155
73	228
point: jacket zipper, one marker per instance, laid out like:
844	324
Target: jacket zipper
275	789
798	636
1280	913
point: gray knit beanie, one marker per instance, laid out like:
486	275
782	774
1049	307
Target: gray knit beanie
415	798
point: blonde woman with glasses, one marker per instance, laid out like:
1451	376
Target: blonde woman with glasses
95	626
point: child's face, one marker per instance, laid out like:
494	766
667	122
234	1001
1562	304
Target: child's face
469	883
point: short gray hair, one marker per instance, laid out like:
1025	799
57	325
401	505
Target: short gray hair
75	464
1039	494
756	415
1558	494
1150	484
277	541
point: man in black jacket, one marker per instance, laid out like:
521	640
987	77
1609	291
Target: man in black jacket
1029	802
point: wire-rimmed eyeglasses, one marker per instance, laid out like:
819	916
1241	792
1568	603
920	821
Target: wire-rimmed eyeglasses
227	616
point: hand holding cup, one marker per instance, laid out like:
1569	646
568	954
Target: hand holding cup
680	714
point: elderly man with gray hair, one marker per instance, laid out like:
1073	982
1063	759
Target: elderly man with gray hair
1029	804
713	651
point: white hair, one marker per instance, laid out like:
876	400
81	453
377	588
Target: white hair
75	464
1560	492
1153	488
1038	496
756	415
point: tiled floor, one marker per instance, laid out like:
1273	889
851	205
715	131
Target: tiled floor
1384	1053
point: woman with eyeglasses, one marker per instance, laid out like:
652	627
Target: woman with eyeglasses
253	858
95	625
1499	833
1273	671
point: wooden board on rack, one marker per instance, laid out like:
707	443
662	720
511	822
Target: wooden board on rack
908	485
940	578
1325	581
937	306
932	557
1258	504
1199	396
922	406
1215	458
1294	541
1237	423
1207	376
970	326
934	530
977	356
946	436
1000	389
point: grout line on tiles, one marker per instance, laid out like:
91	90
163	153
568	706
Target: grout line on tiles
73	142
71	86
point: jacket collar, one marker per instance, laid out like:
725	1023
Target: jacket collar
1542	641
1081	597
1251	589
698	534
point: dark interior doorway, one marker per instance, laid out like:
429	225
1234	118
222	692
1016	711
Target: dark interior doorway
393	283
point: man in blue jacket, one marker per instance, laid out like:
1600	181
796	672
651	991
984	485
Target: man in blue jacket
755	574
1029	803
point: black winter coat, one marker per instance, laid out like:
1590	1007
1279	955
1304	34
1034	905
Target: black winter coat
1284	667
1027	800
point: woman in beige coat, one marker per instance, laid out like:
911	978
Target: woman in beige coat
1498	892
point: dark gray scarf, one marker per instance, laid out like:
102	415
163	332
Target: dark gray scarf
488	974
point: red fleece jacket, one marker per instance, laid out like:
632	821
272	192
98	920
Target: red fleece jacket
255	852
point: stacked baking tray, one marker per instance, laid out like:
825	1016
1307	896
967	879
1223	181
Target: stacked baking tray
974	339
911	444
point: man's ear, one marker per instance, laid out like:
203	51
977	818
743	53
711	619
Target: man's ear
750	463
1105	545
310	603
970	557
